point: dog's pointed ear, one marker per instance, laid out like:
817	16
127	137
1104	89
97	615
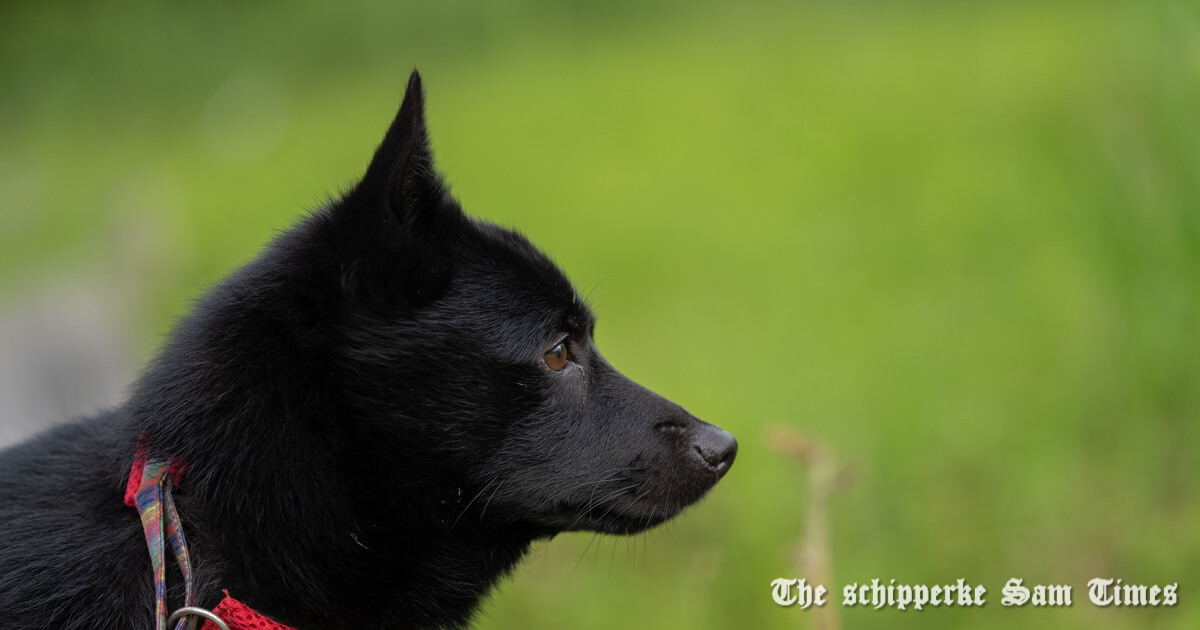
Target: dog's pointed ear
396	221
401	173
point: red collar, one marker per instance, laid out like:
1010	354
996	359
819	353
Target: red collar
149	490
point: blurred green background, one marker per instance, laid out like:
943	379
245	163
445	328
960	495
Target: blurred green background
957	243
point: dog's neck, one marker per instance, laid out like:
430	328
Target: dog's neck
356	551
361	556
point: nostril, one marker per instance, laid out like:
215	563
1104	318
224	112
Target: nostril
717	448
727	457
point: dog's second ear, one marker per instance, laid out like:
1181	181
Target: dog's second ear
399	214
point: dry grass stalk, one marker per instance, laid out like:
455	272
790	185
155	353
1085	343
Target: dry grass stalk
813	557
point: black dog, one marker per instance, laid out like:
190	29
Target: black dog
370	423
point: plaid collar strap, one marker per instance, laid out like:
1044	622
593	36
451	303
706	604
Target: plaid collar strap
149	490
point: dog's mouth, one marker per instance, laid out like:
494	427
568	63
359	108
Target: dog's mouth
609	519
629	511
652	487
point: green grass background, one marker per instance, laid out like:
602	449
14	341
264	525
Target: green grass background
958	242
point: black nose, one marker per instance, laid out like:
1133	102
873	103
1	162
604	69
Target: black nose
716	446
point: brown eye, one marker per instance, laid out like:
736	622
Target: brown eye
556	359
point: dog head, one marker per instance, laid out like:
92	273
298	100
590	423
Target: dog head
470	358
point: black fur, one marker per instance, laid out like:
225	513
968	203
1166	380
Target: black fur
371	432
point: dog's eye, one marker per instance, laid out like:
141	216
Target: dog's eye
556	359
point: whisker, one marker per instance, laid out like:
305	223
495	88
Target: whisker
489	501
584	554
609	476
472	501
590	505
